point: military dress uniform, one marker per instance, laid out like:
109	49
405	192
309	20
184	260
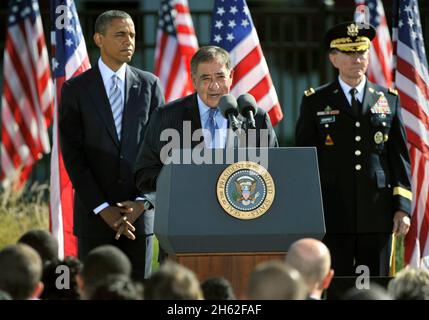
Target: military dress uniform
364	171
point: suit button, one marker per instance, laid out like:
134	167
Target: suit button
120	180
384	124
358	167
358	152
357	138
357	124
121	157
326	125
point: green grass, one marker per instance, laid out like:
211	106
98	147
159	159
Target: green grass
22	211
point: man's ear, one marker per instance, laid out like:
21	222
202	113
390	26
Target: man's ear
328	278
98	39
333	59
38	290
194	81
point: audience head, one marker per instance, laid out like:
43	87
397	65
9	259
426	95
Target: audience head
375	292
117	287
58	270
173	282
21	272
275	280
410	284
101	262
43	242
217	288
313	261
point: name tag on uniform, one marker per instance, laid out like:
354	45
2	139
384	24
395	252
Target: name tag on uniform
324	120
327	113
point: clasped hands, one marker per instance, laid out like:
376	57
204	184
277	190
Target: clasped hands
122	217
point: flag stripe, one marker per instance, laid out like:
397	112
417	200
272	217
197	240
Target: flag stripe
233	29
68	61
175	45
411	79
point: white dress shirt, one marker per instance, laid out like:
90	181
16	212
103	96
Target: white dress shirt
221	122
106	75
346	89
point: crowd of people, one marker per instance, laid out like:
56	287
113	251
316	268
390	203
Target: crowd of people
31	270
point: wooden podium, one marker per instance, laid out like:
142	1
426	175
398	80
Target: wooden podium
234	267
195	231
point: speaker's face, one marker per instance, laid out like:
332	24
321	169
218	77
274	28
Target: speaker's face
211	81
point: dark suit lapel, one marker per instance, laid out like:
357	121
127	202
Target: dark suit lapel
192	114
338	99
370	97
101	102
132	85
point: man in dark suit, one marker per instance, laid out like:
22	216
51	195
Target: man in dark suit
212	73
363	159
103	117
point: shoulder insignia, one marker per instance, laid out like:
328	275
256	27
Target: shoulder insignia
393	91
309	92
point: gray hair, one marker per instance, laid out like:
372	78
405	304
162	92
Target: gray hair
210	53
104	19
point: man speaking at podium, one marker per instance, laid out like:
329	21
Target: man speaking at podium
212	74
363	159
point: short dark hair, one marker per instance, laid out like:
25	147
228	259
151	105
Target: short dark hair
117	287
21	270
101	262
49	278
43	242
217	288
210	53
104	19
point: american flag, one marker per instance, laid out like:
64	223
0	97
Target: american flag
380	69
27	99
233	29
175	45
69	58
412	82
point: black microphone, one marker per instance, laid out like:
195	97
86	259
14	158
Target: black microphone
248	108
228	109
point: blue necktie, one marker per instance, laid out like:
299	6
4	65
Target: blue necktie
116	104
211	125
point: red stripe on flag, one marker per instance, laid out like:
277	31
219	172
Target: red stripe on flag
162	44
410	73
173	72
252	59
34	145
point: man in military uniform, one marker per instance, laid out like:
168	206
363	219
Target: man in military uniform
364	165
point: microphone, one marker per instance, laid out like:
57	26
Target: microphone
228	109
248	108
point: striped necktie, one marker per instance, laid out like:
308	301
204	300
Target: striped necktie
211	125
116	104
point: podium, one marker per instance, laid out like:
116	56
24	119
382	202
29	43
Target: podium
194	229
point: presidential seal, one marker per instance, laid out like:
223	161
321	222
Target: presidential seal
245	190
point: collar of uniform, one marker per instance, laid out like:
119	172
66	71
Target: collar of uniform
107	73
346	89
